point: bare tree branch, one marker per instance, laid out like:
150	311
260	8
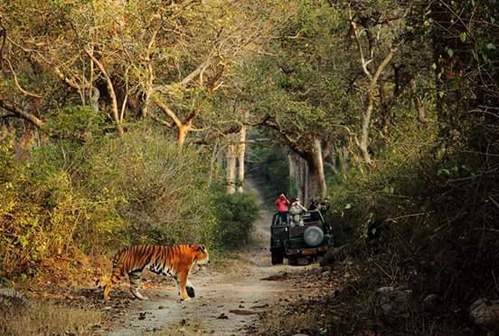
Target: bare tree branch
21	114
112	93
23	91
364	137
168	111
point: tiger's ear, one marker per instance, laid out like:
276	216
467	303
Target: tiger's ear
201	248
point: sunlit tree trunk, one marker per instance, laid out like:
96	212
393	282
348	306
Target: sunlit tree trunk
241	151
111	92
231	168
366	58
318	187
94	99
366	120
182	134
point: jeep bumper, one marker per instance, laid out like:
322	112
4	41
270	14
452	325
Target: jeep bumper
307	251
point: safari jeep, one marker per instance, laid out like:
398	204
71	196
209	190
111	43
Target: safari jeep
300	242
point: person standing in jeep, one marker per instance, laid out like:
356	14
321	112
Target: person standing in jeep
282	204
297	210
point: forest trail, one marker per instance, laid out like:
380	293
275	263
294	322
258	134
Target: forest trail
227	300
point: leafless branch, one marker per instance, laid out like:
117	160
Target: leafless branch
19	87
22	114
110	87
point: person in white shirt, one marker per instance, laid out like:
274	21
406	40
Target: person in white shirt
296	211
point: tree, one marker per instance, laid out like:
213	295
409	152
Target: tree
290	86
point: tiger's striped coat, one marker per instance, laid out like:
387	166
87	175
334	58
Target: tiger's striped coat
176	261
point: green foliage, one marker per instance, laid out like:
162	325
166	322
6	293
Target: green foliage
158	189
271	167
76	123
100	196
39	211
236	213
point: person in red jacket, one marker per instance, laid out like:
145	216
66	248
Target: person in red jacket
282	204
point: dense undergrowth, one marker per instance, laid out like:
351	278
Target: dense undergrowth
422	218
85	191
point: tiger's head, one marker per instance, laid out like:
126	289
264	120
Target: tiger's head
201	256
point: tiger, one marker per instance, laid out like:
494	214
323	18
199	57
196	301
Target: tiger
176	261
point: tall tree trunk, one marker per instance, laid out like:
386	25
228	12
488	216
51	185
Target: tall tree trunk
307	174
292	171
231	168
298	175
182	134
366	120
213	163
111	92
94	99
306	182
303	179
318	187
241	151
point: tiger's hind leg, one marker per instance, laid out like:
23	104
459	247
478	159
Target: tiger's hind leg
135	278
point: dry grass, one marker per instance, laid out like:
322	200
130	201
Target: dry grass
182	328
281	323
46	319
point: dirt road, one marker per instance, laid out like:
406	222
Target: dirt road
227	300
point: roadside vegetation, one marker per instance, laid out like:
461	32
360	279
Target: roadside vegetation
415	209
113	192
22	319
126	122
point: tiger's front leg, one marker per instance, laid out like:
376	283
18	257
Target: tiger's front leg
182	284
190	289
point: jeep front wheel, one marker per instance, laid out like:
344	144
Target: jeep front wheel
277	256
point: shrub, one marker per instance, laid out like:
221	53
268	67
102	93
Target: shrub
236	214
100	195
157	192
39	210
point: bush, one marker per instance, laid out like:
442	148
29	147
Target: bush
39	210
100	195
393	188
236	214
437	211
154	191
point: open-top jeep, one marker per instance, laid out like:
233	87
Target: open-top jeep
296	242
